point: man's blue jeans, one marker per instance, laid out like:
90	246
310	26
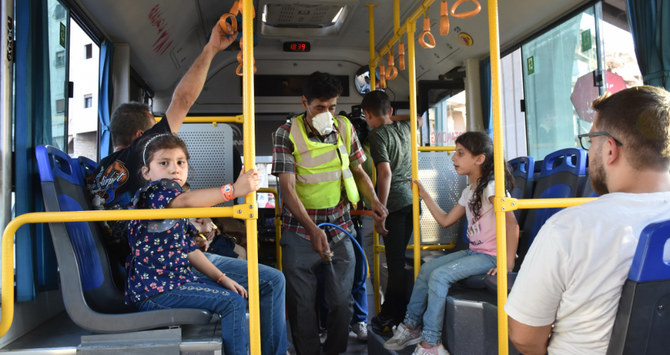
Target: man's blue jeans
272	298
429	296
272	288
207	294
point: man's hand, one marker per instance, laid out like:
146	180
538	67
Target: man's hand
219	40
379	213
319	241
380	226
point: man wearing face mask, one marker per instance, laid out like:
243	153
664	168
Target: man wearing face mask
317	158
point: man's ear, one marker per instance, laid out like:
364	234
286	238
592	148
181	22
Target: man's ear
613	151
138	134
304	102
390	111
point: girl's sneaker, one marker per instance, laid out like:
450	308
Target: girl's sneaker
403	337
436	350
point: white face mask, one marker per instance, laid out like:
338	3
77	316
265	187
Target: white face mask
323	123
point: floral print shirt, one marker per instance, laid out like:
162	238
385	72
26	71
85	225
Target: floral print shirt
158	261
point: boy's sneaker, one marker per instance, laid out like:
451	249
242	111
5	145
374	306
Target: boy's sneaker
361	330
436	350
382	325
403	337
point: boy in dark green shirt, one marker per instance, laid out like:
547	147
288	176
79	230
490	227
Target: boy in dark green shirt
391	152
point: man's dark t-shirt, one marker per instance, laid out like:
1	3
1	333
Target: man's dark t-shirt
114	183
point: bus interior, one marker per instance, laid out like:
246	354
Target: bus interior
555	58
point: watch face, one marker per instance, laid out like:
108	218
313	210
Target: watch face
228	188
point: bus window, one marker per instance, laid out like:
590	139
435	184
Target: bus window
620	54
58	42
83	105
447	120
552	63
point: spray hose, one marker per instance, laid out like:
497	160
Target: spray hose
353	240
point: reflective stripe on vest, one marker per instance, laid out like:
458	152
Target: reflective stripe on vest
322	168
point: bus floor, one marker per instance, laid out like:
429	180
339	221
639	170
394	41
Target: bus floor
61	336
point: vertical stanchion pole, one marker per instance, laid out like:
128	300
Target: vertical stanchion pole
250	163
411	77
371	27
373	83
499	175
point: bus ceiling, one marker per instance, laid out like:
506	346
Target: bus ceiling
165	36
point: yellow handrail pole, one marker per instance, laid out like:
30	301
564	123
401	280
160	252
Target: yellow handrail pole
376	249
510	203
396	37
250	163
277	222
7	277
499	175
373	65
396	16
210	119
215	119
375	257
411	77
437	149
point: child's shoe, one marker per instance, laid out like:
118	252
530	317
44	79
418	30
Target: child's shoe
435	350
403	337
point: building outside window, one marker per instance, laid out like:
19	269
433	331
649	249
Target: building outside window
88	101
88	49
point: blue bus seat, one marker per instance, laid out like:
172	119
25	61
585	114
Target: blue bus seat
642	323
522	169
90	295
562	175
86	166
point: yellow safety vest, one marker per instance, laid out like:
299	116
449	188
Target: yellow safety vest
322	168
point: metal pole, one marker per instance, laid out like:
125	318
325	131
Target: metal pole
411	77
6	110
250	163
499	176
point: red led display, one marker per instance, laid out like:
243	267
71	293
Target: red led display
296	46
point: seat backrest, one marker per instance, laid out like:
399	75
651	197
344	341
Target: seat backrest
642	323
522	169
211	151
90	295
562	175
86	166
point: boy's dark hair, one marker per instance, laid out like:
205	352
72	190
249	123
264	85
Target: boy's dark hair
322	86
480	143
639	118
161	141
127	119
376	102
